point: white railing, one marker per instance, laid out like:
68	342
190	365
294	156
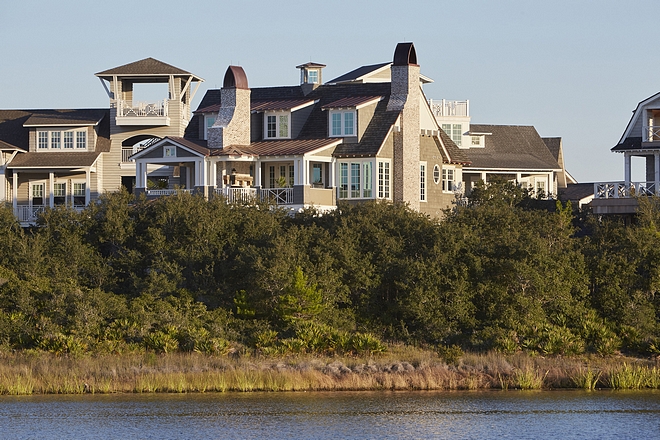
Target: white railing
450	108
128	152
28	213
238	195
142	109
166	192
278	196
621	190
651	133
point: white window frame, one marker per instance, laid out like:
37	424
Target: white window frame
74	194
358	180
448	179
278	125
169	151
437	174
346	129
55	195
384	170
455	132
423	182
58	140
315	73
44	192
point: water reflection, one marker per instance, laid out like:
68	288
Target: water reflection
397	415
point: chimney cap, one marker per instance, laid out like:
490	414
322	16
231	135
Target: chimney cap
235	78
405	54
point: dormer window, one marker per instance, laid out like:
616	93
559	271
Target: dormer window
56	140
342	123
277	126
313	76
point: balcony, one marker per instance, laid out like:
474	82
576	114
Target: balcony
276	196
621	190
450	108
142	113
166	192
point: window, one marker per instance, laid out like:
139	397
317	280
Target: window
169	151
317	174
540	188
356	180
37	194
422	182
281	176
43	139
476	140
277	126
313	76
81	139
59	193
291	175
210	120
383	180
342	123
79	194
53	139
455	132
448	179
68	139
436	174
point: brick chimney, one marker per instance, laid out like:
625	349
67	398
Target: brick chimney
404	98
232	127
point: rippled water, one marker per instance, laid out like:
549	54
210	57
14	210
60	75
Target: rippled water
397	415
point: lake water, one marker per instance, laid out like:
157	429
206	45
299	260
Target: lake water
341	415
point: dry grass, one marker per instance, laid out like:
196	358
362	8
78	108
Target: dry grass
43	373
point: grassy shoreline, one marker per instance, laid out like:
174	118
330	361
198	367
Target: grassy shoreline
25	373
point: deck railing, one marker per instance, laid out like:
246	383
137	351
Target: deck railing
651	133
28	213
621	190
238	195
450	108
166	192
142	109
277	196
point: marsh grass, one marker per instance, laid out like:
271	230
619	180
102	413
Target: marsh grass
36	372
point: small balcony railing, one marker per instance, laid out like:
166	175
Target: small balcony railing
238	195
450	108
142	109
166	192
276	196
128	152
28	213
621	190
652	133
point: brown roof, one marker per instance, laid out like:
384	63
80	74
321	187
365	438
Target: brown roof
511	147
5	146
576	191
456	155
285	147
214	108
147	66
286	104
49	159
196	145
351	101
310	64
554	145
80	117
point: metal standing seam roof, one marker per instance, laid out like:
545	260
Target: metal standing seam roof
279	104
286	147
83	117
49	159
351	101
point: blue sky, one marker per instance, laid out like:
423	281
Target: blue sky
574	69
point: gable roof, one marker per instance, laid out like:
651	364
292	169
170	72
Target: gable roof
146	67
70	118
511	147
51	159
554	145
359	73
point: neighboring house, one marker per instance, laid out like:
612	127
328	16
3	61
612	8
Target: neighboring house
69	157
366	135
641	138
515	153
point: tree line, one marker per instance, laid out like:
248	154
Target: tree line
500	273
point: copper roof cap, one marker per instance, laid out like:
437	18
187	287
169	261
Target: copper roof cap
235	78
405	55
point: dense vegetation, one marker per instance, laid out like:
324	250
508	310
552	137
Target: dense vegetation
183	273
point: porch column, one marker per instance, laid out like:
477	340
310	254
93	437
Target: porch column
51	189
305	175
213	174
656	181
14	190
483	176
200	173
518	178
257	173
332	169
626	169
87	188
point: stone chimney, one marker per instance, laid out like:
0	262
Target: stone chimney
404	98
232	127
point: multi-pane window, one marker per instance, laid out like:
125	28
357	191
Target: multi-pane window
37	194
317	174
291	175
42	139
281	176
447	179
78	194
271	177
454	131
55	139
81	139
422	182
277	126
313	76
68	139
476	140
436	174
356	180
383	180
59	193
342	123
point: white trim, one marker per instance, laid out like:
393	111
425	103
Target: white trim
277	115
161	143
423	181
